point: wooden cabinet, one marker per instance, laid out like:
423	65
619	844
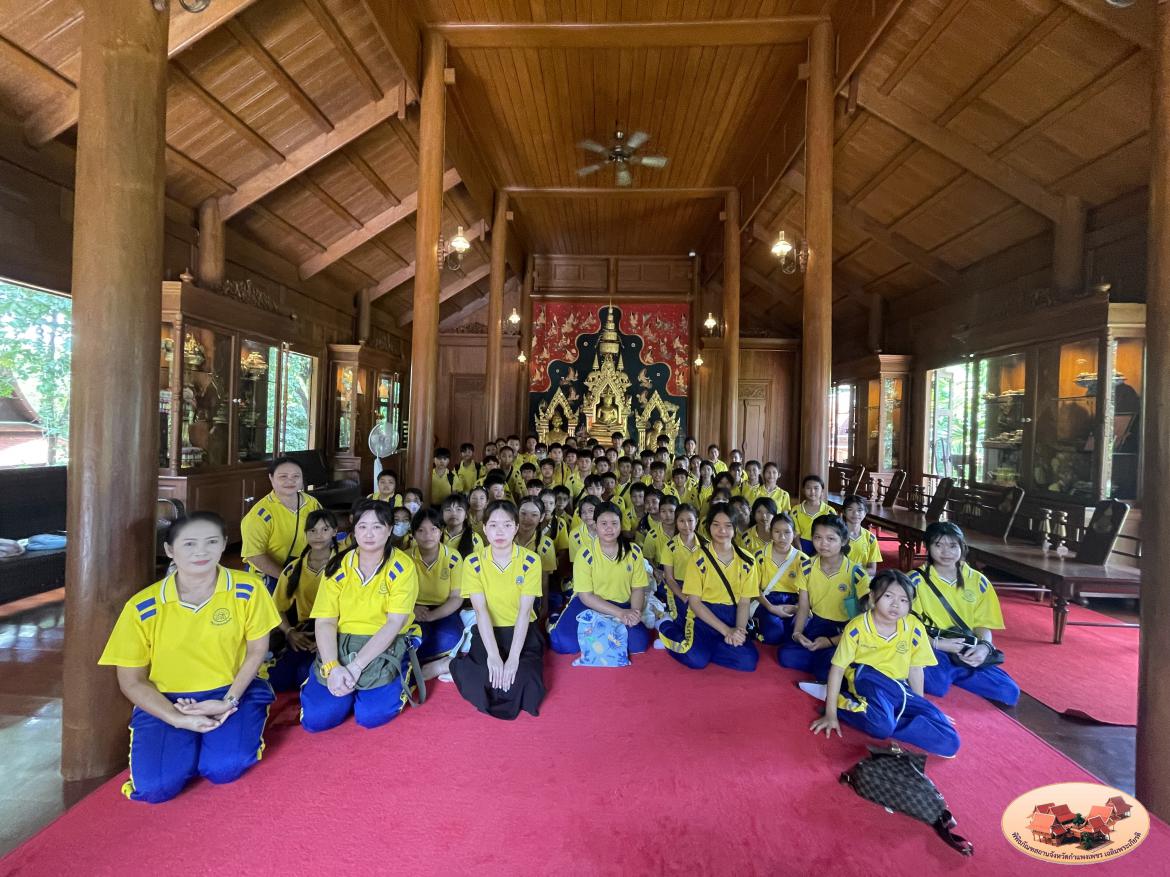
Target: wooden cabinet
877	387
366	395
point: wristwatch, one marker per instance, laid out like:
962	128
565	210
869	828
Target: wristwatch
231	700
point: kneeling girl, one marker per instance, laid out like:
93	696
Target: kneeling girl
609	576
440	572
365	629
782	567
875	682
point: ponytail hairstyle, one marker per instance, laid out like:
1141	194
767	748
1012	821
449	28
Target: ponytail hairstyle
467	538
609	508
722	508
384	515
317	516
943	530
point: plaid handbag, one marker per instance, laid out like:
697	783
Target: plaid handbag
897	781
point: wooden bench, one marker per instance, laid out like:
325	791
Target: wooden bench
32	501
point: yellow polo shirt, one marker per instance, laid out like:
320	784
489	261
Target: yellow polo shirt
271	529
361	605
503	587
609	578
826	594
439	580
703	580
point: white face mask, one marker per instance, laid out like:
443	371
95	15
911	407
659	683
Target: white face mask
400	529
413	506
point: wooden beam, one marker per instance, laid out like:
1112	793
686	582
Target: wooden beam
362	166
398	26
453	288
279	75
770	286
629	35
402	275
221	112
897	243
187	28
340	248
616	192
212	250
967	156
457	316
1133	23
286	227
185	163
344	48
304	157
338	209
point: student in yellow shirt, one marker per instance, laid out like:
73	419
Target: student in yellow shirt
187	650
811	506
679	552
440	574
609	577
759	535
680	483
876	679
633	508
829	593
502	673
946	579
719	584
528	455
771	489
442	478
863	544
585	531
654	548
649	520
295	592
701	493
530	536
713	458
273	529
387	490
782	567
366	633
477	502
458	534
468	472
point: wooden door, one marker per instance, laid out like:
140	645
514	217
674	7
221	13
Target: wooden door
753	419
467	421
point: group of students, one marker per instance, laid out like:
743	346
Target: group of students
708	566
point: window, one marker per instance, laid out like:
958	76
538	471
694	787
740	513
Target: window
297	392
948	421
842	423
36	334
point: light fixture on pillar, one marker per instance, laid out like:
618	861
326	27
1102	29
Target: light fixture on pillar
520	357
711	325
450	252
514	317
792	256
699	360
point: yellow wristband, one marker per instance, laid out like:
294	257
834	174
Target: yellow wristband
328	668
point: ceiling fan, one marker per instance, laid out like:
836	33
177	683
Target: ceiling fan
622	153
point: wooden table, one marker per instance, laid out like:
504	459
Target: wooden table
1065	578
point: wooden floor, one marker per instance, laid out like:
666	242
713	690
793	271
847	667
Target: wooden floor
32	637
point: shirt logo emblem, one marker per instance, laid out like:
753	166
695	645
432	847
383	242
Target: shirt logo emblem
968	595
519	580
841	588
221	616
901	648
383	590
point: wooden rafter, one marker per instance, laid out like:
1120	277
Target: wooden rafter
897	243
477	304
359	163
289	229
966	155
1133	23
339	210
344	48
187	164
187	28
615	192
311	153
279	75
350	242
776	290
634	34
225	115
453	289
406	273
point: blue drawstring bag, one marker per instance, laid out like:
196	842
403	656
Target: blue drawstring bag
45	542
603	641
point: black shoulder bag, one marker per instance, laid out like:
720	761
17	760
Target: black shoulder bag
960	631
751	622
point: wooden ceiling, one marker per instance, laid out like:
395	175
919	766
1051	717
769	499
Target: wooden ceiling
967	122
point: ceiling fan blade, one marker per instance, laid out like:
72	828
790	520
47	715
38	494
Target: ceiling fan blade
652	160
593	146
623	175
589	169
637	139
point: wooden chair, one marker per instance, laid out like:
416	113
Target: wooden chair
987	510
893	489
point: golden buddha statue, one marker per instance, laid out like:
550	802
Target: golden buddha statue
606	406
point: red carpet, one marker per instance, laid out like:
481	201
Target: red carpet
1053	673
669	771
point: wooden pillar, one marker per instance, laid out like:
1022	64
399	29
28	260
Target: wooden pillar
730	402
1153	729
362	335
696	316
495	313
524	427
877	308
816	348
1068	247
424	336
212	266
117	312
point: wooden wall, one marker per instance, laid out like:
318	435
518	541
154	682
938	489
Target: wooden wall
769	417
460	414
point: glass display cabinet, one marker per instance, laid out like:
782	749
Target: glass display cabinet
233	393
366	397
879	402
1000	419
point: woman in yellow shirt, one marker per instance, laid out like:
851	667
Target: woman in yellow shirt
771	489
530	536
828	597
609	577
720	584
440	574
296	590
502	673
759	536
781	569
457	532
477	502
863	544
365	629
187	650
811	506
678	555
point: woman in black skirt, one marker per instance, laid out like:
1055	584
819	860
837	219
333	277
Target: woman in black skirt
503	581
